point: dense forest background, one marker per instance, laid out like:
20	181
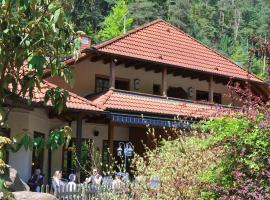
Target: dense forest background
225	25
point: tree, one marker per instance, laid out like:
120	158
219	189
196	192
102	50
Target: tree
117	22
202	17
178	12
87	15
143	11
35	37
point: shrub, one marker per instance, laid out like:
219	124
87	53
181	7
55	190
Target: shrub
177	164
243	172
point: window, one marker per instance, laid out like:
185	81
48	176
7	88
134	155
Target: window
38	157
102	84
177	92
5	133
204	96
217	98
156	89
122	84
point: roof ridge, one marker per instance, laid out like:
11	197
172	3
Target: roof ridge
107	95
127	34
213	50
72	94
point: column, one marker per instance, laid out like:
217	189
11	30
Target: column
164	81
78	143
211	91
112	74
110	137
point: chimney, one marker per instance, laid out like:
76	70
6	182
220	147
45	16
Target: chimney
85	42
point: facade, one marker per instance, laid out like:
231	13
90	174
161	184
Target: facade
148	76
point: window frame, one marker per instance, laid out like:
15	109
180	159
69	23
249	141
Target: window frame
105	77
158	85
215	94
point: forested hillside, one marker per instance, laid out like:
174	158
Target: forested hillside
225	25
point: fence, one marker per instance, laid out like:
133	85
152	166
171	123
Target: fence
85	192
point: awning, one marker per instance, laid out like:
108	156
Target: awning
151	121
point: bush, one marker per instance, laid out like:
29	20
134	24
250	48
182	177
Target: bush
243	172
231	160
177	164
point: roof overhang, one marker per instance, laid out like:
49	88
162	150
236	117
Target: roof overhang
260	88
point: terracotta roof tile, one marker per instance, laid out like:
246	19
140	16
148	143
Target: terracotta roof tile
74	101
161	42
143	103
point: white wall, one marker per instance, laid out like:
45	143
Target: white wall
37	120
30	121
19	121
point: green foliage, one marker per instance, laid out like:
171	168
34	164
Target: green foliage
89	13
57	137
228	159
58	97
244	165
178	164
113	24
90	158
143	11
35	37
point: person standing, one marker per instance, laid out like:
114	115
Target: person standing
118	186
56	181
36	181
71	186
95	179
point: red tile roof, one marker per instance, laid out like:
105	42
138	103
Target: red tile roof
73	102
163	43
118	100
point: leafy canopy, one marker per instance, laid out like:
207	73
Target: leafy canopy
35	37
113	24
243	169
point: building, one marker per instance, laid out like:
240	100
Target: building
147	76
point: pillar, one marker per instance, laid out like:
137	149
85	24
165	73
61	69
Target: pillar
164	81
211	90
110	137
78	144
112	74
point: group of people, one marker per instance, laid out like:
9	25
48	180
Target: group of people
36	181
57	182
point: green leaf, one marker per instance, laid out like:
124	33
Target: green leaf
37	62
